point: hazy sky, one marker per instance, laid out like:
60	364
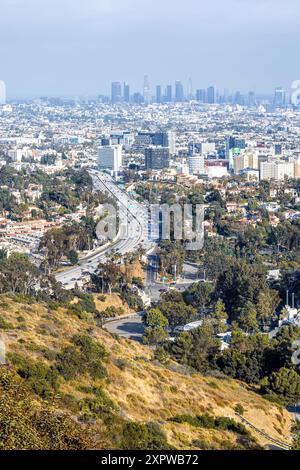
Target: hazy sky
67	47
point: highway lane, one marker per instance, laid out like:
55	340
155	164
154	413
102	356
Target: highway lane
132	232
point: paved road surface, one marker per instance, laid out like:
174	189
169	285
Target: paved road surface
295	411
153	288
130	328
130	235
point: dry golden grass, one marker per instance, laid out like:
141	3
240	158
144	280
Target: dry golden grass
112	300
134	270
142	389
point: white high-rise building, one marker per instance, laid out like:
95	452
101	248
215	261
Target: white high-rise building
2	92
171	142
110	157
277	170
196	164
147	90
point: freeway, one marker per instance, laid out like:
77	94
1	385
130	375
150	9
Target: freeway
133	231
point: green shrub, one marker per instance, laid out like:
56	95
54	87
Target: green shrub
121	363
70	363
229	424
111	312
84	357
5	325
239	409
284	384
137	281
94	407
209	422
139	436
202	444
41	378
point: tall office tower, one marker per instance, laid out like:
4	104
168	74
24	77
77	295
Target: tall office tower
226	95
251	98
158	93
110	157
196	164
126	92
138	98
146	90
2	92
116	92
190	89
279	96
156	158
278	149
170	141
145	139
179	96
201	96
211	95
169	94
235	143
238	98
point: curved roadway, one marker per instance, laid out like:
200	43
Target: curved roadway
133	231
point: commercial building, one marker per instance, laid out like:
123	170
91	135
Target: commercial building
201	147
279	96
116	92
179	94
196	164
216	168
245	160
158	139
276	170
201	95
158	94
157	158
211	95
110	157
126	92
169	94
146	90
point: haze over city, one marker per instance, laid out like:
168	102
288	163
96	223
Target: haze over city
65	48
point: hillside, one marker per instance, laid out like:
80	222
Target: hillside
107	385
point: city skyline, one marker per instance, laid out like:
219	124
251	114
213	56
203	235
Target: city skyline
64	49
171	91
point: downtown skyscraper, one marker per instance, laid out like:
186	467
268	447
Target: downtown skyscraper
147	90
116	92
